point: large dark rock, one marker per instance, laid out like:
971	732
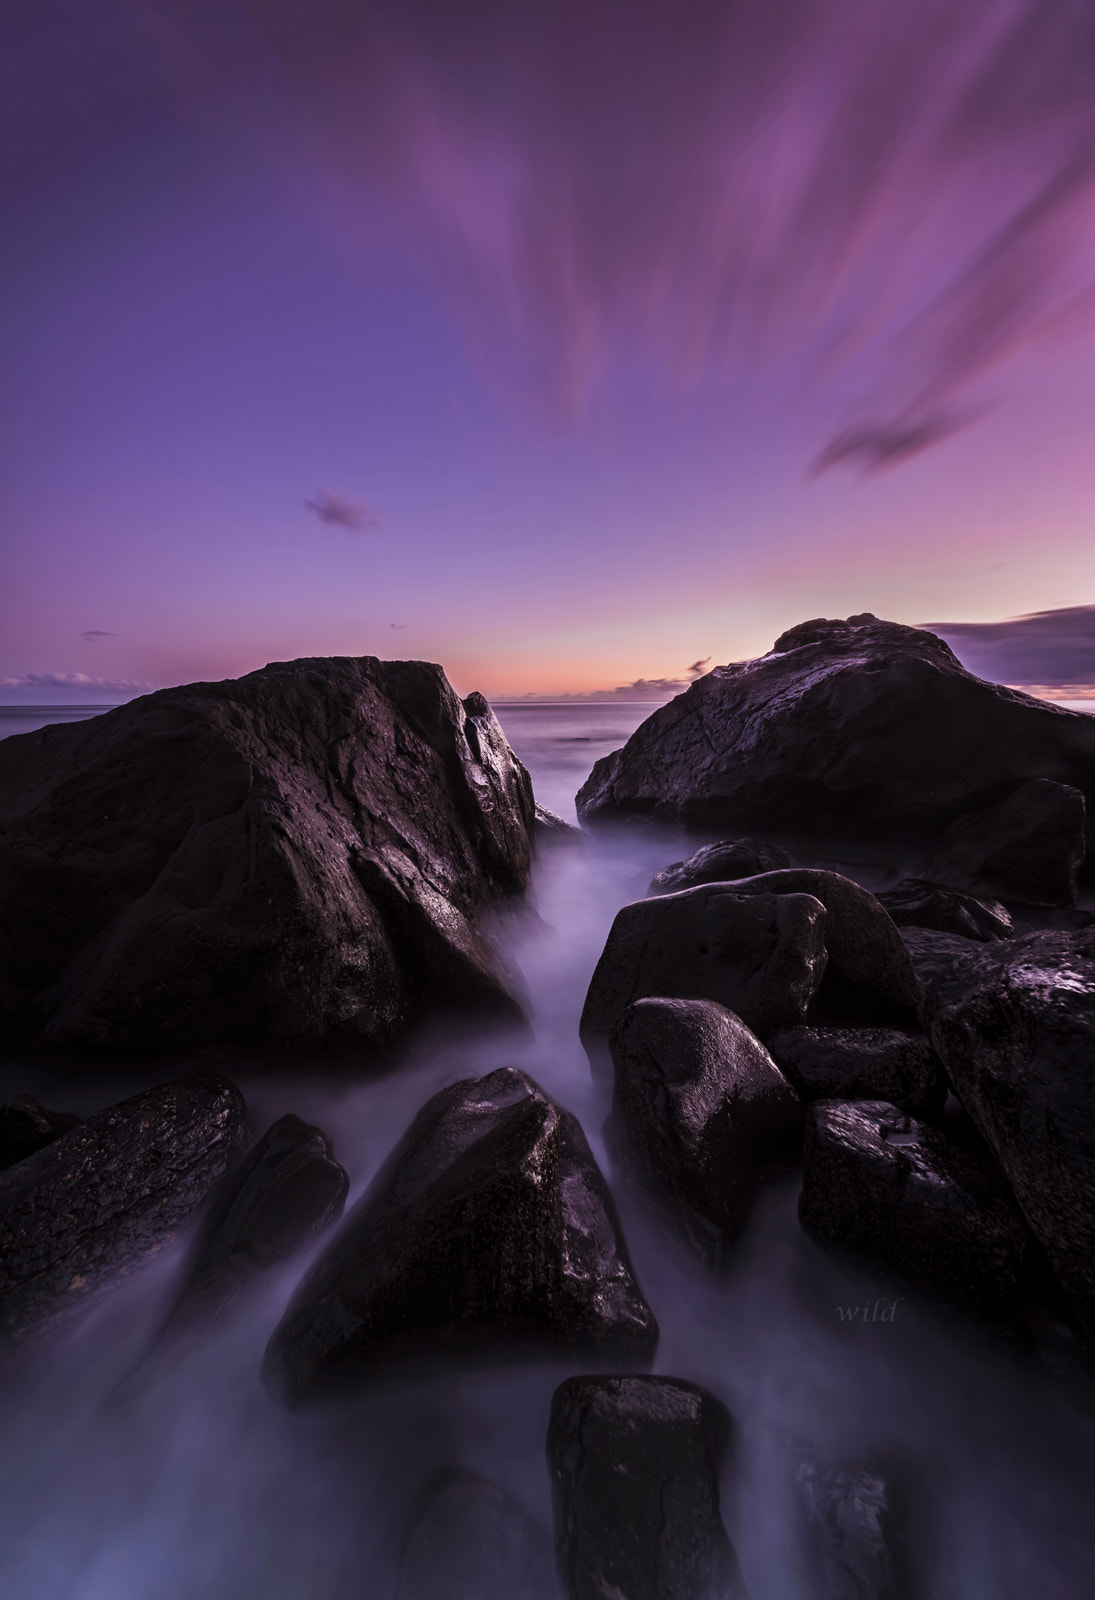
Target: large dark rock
470	1541
719	863
702	1112
286	1192
299	854
1028	847
1015	1026
761	956
853	730
634	1466
98	1203
26	1126
488	1232
883	1185
854	1532
919	903
862	1064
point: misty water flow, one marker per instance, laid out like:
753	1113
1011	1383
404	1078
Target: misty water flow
172	1475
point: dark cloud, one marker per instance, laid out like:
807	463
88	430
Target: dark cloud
697	667
884	445
397	625
91	634
1050	649
339	511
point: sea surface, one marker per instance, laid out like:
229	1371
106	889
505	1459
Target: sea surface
132	1471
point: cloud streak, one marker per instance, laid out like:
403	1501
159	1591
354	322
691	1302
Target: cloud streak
1046	649
72	680
339	511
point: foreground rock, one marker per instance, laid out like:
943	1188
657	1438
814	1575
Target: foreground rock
719	863
855	729
862	1064
300	854
920	903
1015	1027
854	1534
634	1466
287	1191
488	1232
470	1541
1029	847
101	1201
904	1196
702	1112
26	1126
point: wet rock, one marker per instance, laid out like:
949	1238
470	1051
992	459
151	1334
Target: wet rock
900	1193
287	1191
99	1202
862	1064
26	1126
854	1534
718	863
701	1112
299	854
868	976
488	1233
919	903
634	1466
470	1541
1015	1026
855	729
761	956
553	829
935	955
1029	847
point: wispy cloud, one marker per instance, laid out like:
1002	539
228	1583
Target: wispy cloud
1051	649
339	511
94	634
696	670
72	680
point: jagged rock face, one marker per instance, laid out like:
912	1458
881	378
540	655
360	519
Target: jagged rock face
854	1533
901	1194
853	729
1029	847
862	1064
99	1202
701	1112
26	1126
1015	1026
720	863
919	903
300	854
634	1466
489	1232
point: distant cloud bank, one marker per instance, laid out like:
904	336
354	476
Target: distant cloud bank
1045	651
75	680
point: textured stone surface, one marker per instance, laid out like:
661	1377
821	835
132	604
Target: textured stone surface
634	1466
300	854
854	1534
470	1541
719	863
701	1111
1029	847
919	903
862	1064
98	1203
26	1126
903	1195
488	1232
850	729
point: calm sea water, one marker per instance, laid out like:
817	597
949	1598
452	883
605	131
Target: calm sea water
124	1477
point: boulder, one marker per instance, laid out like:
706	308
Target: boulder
549	828
862	1064
1028	847
1015	1026
919	903
854	1534
300	854
935	954
489	1232
701	1112
98	1203
470	1541
761	956
856	730
719	863
287	1191
896	1191
26	1126
634	1466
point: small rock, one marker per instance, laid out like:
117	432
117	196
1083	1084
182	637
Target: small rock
26	1126
552	829
488	1232
918	903
634	1466
718	863
702	1112
1030	847
862	1064
470	1541
854	1534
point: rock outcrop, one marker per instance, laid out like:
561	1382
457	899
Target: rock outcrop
634	1466
98	1203
26	1126
300	854
826	1063
701	1113
854	1533
855	729
919	903
720	863
1029	847
488	1233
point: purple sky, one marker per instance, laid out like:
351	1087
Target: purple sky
565	344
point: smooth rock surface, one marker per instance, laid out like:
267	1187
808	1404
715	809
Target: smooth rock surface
862	1064
846	729
854	1534
900	1193
701	1112
299	854
634	1466
718	863
1029	847
471	1541
101	1201
1015	1027
919	903
488	1233
26	1126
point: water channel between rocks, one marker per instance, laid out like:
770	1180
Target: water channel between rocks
172	1475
